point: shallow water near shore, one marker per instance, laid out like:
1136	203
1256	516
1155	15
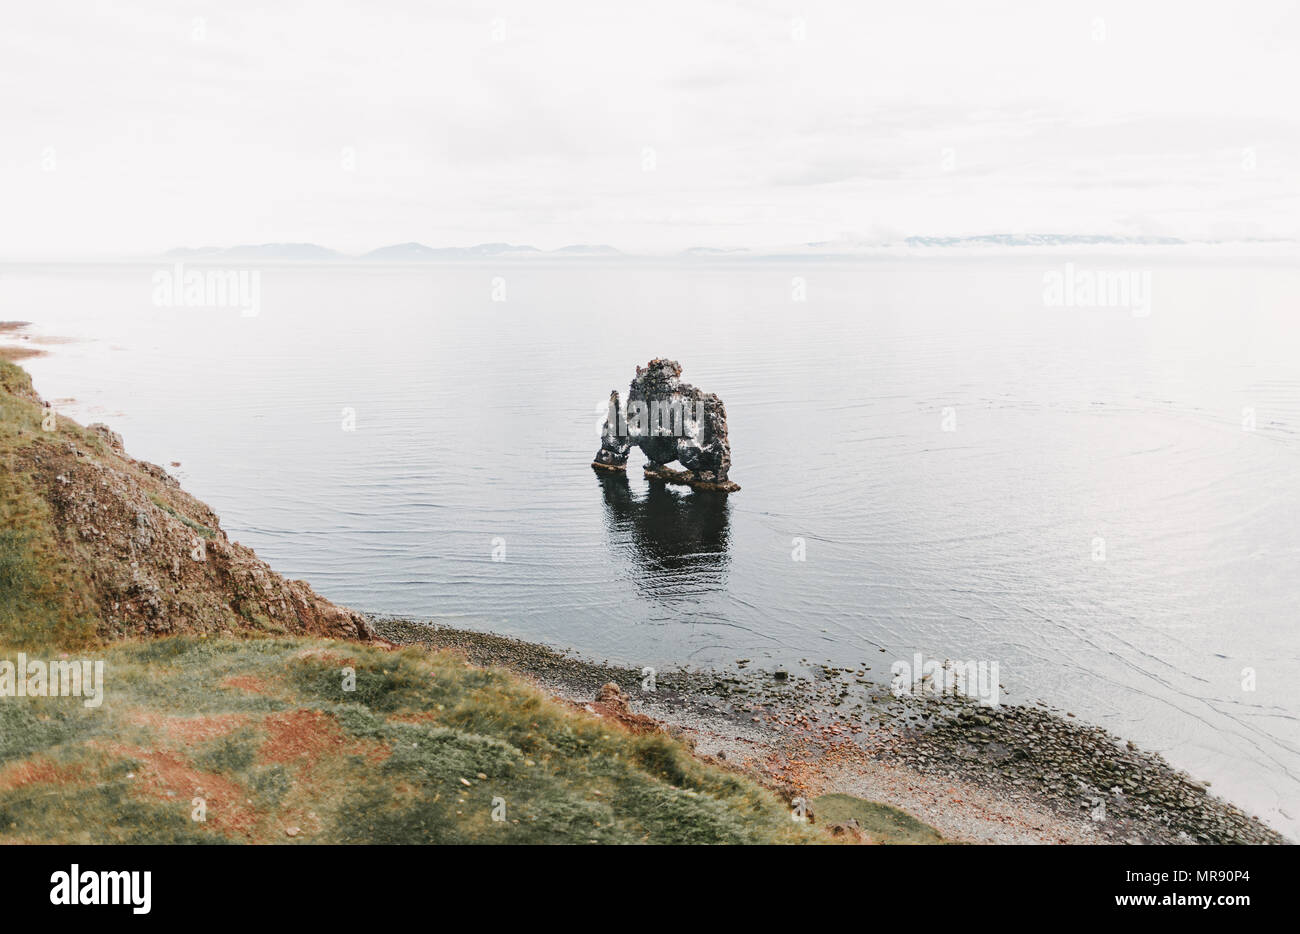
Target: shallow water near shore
1114	517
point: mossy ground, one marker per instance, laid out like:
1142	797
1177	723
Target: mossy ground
881	823
426	749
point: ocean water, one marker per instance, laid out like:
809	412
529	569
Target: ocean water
1106	504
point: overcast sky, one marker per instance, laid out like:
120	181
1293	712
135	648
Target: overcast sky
136	127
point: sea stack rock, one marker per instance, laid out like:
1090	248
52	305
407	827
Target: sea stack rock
669	421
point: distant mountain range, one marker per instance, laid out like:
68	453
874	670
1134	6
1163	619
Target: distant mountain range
414	252
1041	240
998	240
418	252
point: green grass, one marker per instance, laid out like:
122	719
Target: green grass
880	822
426	750
44	598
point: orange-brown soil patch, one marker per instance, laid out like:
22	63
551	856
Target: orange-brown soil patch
301	737
191	730
38	772
167	775
248	683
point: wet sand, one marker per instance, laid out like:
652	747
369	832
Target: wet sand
16	345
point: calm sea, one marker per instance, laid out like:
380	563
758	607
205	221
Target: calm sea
1106	504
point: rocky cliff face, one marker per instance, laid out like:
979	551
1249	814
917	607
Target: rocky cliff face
134	551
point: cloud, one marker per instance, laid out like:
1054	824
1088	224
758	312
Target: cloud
148	126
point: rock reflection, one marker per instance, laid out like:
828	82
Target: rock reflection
676	541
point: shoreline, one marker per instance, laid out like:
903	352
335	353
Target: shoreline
1006	774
